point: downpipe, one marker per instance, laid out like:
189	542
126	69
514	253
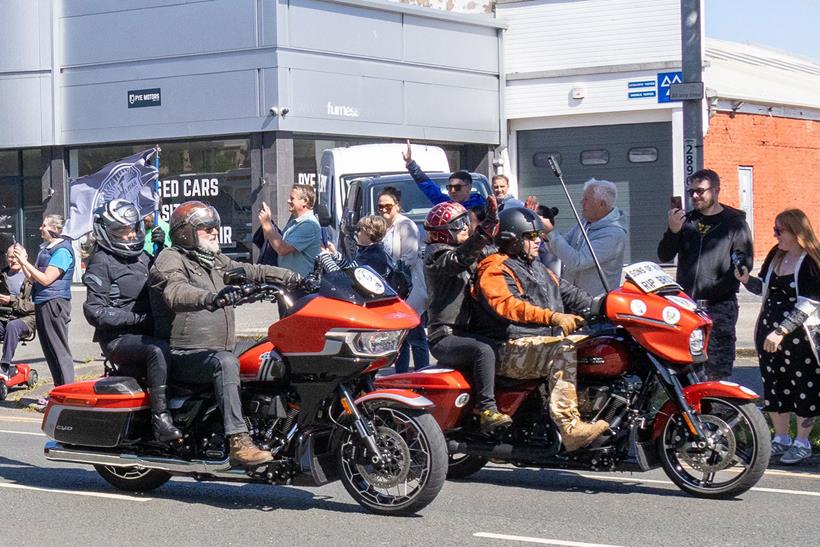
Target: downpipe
503	451
55	452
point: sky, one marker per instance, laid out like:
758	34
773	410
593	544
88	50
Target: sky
792	26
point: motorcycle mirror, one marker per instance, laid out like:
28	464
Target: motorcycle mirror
234	276
323	214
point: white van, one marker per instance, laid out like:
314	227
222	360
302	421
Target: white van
342	165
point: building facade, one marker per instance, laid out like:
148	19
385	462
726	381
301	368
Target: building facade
241	95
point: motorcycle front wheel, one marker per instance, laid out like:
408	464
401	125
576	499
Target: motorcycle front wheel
414	466
734	462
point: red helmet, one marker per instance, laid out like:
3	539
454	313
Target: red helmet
444	221
187	219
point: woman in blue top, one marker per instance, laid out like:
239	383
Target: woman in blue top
51	275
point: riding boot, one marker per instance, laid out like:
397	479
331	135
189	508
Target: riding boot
563	404
161	422
245	452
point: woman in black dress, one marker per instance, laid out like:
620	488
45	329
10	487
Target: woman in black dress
788	332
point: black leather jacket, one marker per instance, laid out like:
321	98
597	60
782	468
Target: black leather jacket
117	295
448	271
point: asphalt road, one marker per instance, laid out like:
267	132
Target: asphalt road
48	503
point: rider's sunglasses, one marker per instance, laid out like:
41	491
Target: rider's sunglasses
532	236
386	207
697	191
455	187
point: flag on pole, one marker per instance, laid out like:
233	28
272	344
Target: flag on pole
130	178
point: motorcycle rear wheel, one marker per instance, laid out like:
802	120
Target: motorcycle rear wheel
461	466
133	479
416	468
735	463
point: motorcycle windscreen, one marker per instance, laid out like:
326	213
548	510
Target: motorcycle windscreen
360	285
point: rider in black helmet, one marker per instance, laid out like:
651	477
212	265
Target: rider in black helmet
117	306
522	308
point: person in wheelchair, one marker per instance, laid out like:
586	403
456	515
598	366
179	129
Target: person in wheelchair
521	307
117	307
17	322
193	309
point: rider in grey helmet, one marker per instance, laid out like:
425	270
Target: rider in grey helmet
117	307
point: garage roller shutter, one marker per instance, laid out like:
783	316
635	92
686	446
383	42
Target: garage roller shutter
636	157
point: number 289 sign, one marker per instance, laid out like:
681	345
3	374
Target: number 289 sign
690	156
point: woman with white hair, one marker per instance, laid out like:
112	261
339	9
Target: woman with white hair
607	229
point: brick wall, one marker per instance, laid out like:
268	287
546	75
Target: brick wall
785	156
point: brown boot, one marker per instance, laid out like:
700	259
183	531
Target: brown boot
244	452
563	403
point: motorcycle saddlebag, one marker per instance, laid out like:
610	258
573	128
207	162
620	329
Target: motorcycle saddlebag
95	413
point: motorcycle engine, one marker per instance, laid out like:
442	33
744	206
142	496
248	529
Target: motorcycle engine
607	401
268	419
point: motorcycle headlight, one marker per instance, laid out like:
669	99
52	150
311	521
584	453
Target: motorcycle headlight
377	342
696	340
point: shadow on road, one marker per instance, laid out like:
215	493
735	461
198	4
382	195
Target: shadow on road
242	496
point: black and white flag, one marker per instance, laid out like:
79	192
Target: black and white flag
130	178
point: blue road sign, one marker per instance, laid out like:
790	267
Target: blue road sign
641	94
665	79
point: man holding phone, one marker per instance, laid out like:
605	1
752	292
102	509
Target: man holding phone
704	240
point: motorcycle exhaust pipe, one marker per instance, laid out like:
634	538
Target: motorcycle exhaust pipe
55	452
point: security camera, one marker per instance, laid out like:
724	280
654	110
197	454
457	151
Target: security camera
285	110
274	111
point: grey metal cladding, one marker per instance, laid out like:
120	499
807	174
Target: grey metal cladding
140	29
25	110
445	43
25	32
338	28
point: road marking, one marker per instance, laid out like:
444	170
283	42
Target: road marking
542	541
32	433
653	481
770	472
73	492
21	419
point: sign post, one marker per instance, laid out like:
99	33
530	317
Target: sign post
692	61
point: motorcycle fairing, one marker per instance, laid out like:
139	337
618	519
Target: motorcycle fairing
448	389
694	394
657	322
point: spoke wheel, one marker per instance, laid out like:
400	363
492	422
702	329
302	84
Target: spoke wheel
133	479
734	459
413	468
33	378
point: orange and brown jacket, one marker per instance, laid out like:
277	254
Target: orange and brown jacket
517	298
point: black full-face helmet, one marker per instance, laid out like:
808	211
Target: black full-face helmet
187	219
514	225
112	225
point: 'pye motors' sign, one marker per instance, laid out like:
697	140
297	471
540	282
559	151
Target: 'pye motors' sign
139	98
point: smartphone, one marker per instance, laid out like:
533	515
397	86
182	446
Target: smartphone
676	202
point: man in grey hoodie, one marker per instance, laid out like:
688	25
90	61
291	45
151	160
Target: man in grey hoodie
606	226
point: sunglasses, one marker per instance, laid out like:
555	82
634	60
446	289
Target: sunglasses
531	236
697	191
455	187
387	207
777	231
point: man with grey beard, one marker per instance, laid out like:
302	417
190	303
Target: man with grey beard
193	309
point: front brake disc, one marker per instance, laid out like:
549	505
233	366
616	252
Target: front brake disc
720	455
395	460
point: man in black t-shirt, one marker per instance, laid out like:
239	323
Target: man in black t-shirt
704	240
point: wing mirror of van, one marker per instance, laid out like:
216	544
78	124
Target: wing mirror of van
323	213
350	222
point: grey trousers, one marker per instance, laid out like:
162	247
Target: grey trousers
52	318
219	368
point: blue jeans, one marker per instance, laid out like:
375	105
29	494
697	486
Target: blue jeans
416	341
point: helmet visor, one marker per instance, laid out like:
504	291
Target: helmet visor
205	218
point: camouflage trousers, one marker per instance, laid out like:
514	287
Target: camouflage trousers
555	358
722	340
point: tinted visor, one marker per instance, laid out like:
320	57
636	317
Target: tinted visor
205	218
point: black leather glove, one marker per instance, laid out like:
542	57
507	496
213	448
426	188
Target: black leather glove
489	226
228	296
158	237
293	282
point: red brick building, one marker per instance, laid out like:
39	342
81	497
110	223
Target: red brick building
764	133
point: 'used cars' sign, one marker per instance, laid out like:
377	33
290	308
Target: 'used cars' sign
138	98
